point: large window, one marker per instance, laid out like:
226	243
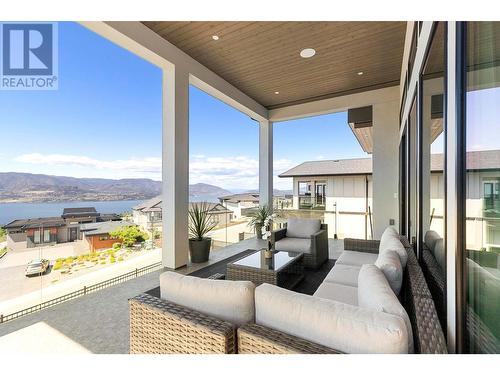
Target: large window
482	205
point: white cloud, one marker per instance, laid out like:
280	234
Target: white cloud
143	165
237	172
234	172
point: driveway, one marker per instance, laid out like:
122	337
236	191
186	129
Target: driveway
22	257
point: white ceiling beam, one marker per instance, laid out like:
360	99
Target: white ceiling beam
336	104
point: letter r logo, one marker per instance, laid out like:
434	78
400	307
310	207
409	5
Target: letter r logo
27	49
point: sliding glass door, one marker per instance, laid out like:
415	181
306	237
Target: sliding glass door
482	200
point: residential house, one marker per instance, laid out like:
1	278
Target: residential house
342	189
97	235
239	204
148	214
219	215
26	233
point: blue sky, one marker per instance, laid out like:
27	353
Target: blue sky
105	121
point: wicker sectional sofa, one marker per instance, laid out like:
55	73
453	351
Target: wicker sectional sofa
162	326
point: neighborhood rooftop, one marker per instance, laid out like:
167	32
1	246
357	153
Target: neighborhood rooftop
476	160
151	205
79	211
93	229
35	223
242	197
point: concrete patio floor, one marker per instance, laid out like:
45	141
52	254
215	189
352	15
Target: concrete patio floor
99	322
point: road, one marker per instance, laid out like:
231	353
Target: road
18	292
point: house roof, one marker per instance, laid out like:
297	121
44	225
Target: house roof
151	205
330	168
214	208
476	160
244	197
79	211
35	223
93	229
109	217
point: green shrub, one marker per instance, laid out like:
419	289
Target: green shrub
120	259
103	262
112	260
117	246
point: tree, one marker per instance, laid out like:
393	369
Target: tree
129	235
3	234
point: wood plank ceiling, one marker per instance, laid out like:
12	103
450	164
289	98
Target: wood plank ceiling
261	58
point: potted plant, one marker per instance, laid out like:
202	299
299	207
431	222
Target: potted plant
200	224
259	218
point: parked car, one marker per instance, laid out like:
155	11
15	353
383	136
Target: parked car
37	267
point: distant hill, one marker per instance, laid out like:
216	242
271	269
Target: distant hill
27	187
205	190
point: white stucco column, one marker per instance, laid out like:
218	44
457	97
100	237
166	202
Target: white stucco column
175	158
266	162
385	166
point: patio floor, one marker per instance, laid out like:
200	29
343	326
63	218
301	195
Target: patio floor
99	322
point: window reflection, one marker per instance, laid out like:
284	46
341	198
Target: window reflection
482	263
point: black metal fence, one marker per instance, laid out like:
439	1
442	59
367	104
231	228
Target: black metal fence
83	291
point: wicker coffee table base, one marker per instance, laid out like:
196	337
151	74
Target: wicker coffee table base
286	278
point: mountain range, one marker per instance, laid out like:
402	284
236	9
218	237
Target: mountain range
28	187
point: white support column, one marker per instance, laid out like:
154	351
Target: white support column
266	162
175	158
385	166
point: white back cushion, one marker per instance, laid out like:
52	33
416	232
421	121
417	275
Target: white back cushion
430	239
343	327
302	228
390	265
390	241
439	253
232	301
375	293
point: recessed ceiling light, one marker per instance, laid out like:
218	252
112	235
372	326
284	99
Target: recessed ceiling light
215	37
307	52
276	92
360	73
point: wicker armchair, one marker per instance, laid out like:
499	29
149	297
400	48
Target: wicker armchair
161	327
319	246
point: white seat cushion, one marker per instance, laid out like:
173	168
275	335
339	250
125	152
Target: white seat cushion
390	265
302	228
374	292
343	274
338	292
340	326
390	241
301	245
232	301
356	258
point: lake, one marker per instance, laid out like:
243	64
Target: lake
12	211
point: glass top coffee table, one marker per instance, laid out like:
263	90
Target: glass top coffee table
283	269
